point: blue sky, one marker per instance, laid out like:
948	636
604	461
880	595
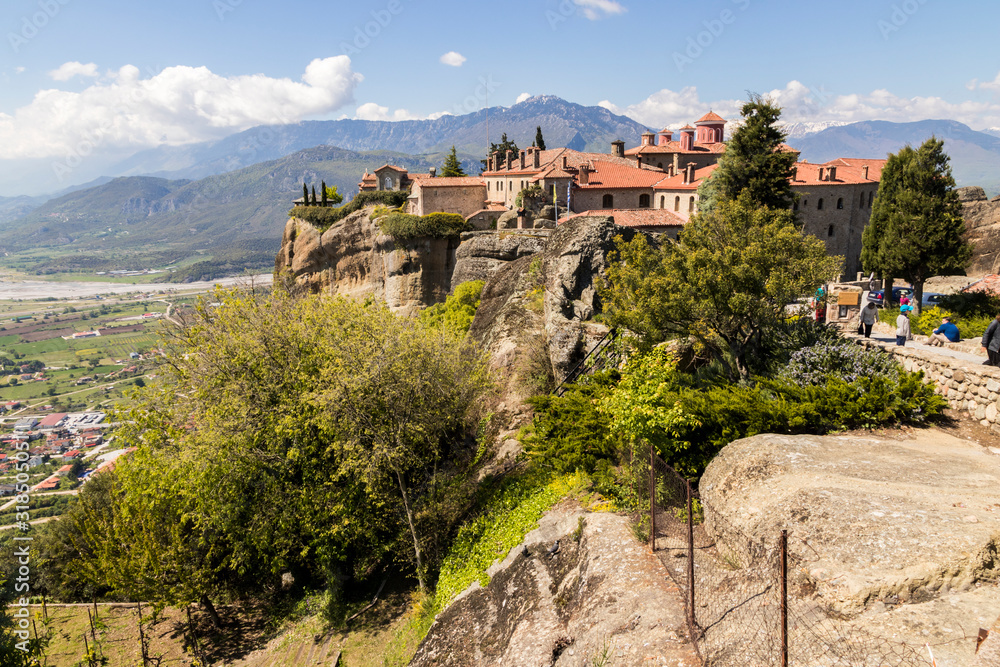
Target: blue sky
109	77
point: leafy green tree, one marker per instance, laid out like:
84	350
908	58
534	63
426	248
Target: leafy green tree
501	151
458	310
753	162
916	229
725	284
452	167
539	140
332	196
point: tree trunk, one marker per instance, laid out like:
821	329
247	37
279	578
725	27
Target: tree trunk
212	613
918	296
413	531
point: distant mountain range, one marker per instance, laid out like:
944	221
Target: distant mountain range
175	205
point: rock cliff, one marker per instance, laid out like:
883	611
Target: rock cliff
982	224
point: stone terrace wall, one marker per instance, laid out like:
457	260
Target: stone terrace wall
969	386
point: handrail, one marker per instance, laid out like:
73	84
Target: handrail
579	369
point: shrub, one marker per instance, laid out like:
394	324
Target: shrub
323	217
458	310
401	225
839	359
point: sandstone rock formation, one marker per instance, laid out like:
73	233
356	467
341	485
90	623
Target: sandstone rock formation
982	224
901	535
568	609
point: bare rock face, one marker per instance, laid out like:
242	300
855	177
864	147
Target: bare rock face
352	258
982	225
900	536
580	606
483	253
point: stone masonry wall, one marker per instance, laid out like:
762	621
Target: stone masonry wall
968	386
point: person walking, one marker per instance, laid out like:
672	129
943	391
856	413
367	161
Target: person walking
903	325
946	333
869	316
991	342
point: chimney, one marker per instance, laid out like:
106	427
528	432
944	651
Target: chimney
689	173
864	171
584	174
820	174
647	138
522	159
618	148
565	164
795	173
433	171
831	173
509	154
536	157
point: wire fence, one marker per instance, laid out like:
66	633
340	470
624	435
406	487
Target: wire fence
748	600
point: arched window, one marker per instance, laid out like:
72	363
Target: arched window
500	186
643	201
388	183
608	201
870	195
659	165
690	204
819	204
805	202
663	201
829	230
487	186
677	203
862	198
840	202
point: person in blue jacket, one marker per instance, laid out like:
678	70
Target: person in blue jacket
946	333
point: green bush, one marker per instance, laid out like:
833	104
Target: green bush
972	304
458	310
323	217
401	225
970	325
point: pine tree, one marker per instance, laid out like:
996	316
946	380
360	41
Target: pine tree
916	227
539	141
753	162
501	150
452	167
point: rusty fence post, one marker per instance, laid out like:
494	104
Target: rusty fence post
690	563
652	501
784	598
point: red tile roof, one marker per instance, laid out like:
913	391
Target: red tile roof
616	175
552	159
451	181
676	182
675	147
636	217
989	284
850	171
711	117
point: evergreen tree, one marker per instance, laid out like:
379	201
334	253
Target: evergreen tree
322	186
305	195
501	148
452	167
333	196
539	141
916	227
314	202
753	162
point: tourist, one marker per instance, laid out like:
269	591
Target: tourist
991	342
946	333
903	325
869	315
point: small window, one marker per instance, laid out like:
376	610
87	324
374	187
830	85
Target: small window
388	183
840	202
663	201
659	165
643	201
805	202
677	203
690	204
870	195
608	201
829	230
862	198
819	204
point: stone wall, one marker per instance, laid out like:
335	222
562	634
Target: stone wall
846	223
969	386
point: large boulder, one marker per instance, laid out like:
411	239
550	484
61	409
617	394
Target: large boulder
899	536
982	226
353	258
483	253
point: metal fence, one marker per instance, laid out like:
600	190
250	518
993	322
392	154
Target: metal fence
747	599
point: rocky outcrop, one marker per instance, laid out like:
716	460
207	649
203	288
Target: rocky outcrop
352	258
580	606
901	535
483	253
982	225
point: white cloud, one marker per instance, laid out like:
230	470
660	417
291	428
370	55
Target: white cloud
175	106
598	9
522	97
992	86
803	104
18	70
67	71
453	58
372	111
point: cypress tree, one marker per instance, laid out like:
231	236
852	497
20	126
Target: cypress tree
323	188
539	141
305	195
314	202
